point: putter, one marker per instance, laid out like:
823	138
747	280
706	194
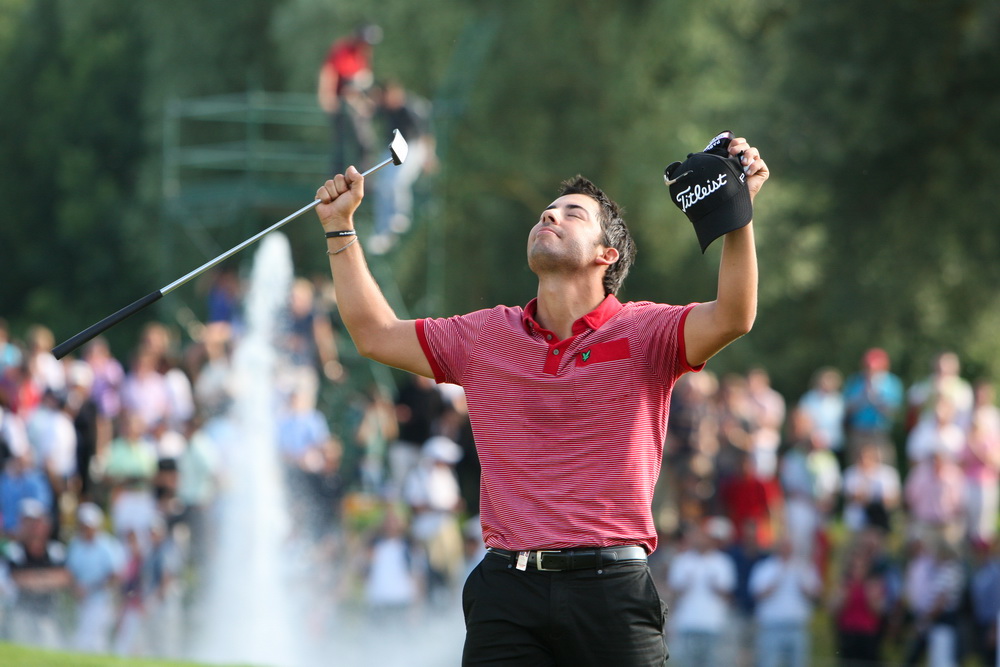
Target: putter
397	151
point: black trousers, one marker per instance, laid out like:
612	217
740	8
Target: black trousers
547	619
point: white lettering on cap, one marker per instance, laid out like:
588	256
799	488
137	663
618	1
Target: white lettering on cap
690	196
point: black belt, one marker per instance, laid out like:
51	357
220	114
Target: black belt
571	559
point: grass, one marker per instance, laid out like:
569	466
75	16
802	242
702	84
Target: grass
23	656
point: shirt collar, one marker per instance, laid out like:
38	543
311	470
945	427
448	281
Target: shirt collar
592	320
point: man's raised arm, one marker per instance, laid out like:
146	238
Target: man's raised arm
713	325
370	320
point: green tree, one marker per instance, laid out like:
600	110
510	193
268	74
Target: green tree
74	145
881	127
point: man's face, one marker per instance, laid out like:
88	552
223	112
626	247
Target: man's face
567	236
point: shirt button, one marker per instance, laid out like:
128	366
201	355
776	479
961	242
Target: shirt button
548	337
555	351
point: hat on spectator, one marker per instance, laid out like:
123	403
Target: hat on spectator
443	449
80	375
32	508
710	188
877	358
719	528
90	515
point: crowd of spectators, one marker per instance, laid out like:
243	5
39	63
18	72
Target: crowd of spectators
864	503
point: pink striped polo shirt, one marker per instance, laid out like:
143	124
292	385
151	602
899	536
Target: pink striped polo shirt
569	432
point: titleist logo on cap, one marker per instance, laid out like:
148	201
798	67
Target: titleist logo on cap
691	195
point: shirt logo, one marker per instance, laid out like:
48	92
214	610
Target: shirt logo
585	355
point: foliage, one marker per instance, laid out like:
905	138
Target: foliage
72	147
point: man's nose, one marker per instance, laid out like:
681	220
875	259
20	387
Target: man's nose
549	216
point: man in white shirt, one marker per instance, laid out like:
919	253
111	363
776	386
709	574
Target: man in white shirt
701	581
785	588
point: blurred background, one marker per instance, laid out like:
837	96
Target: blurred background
142	139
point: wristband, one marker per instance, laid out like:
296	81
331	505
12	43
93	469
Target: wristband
340	232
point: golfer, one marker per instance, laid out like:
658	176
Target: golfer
568	398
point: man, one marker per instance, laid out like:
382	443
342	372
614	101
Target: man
38	569
785	587
95	560
566	490
344	80
701	581
873	397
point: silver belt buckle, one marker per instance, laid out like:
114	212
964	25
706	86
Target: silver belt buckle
538	559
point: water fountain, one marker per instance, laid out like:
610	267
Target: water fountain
247	616
259	595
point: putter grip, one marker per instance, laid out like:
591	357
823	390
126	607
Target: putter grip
62	349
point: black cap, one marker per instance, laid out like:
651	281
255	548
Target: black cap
710	188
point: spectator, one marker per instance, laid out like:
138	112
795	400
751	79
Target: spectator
223	304
95	560
419	405
38	569
984	595
935	497
431	491
873	398
45	370
132	594
393	582
13	434
53	441
980	460
198	479
21	392
936	431
858	606
180	393
944	381
934	585
768	410
785	588
746	498
145	392
735	414
399	109
213	387
745	554
163	605
824	404
871	490
129	470
344	79
701	582
310	341
20	480
810	481
307	450
10	353
108	378
92	429
376	429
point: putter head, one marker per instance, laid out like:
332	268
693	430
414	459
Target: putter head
398	148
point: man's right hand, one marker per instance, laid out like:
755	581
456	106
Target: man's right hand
339	198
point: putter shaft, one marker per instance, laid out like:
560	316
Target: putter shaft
397	149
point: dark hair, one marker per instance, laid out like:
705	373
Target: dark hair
616	234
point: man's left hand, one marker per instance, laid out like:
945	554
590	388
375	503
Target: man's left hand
753	164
